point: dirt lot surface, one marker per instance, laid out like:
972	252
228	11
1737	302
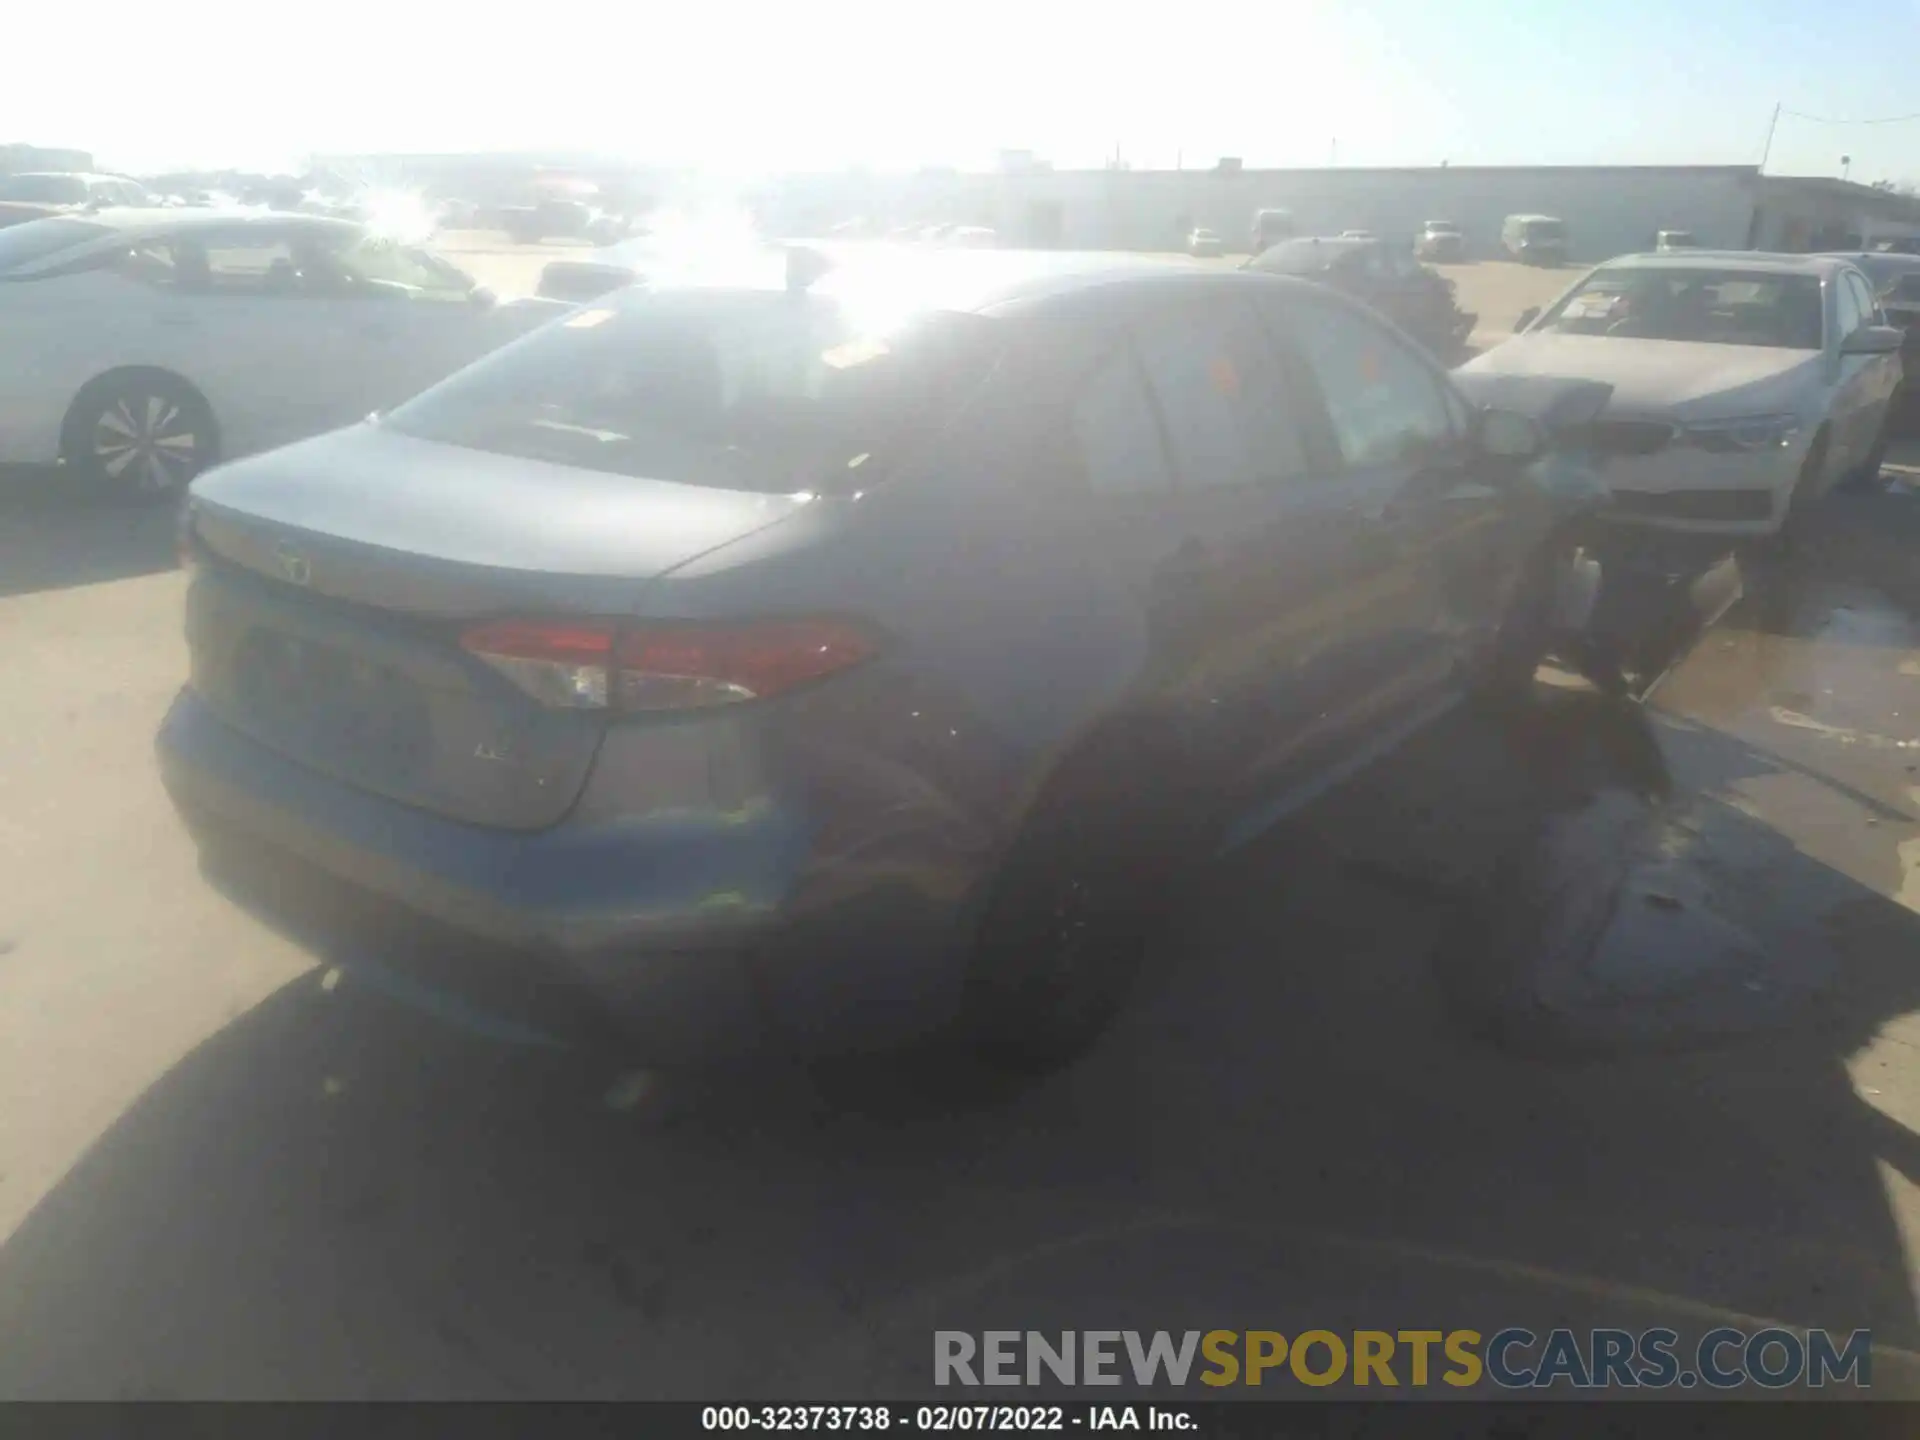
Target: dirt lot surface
220	1176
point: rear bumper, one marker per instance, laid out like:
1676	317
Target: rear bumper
683	938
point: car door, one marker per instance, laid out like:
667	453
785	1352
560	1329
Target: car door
255	335
1307	596
1428	542
1123	538
1254	562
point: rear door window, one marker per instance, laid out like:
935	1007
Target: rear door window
252	262
149	261
1116	436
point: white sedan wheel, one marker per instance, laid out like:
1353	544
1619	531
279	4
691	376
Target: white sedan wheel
143	437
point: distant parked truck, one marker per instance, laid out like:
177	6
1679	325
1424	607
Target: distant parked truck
1270	227
1675	240
1535	239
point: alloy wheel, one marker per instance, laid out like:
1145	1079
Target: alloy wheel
147	442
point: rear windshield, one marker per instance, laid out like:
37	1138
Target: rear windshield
1719	307
1545	230
753	390
38	239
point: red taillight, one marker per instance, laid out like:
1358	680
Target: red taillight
663	667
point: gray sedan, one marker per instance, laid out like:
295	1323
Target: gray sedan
831	655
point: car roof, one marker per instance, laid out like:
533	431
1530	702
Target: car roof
1884	259
113	225
154	218
59	175
1758	261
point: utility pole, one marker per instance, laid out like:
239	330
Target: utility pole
1767	149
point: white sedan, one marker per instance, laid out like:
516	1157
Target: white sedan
137	346
1745	385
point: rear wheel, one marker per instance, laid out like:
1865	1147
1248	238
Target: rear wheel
1068	923
141	435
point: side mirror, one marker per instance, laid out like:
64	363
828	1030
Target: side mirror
1873	340
1510	435
1526	318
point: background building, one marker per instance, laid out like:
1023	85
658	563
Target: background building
1609	210
16	158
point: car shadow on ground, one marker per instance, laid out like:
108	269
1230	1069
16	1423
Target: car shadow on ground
51	539
1401	1061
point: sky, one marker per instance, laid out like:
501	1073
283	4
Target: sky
752	86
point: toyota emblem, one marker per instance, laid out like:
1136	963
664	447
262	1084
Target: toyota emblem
294	567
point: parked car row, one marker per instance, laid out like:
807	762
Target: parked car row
1417	299
1531	239
36	195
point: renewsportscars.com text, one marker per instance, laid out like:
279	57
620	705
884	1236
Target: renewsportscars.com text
1512	1358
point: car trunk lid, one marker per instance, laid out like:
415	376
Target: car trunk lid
338	575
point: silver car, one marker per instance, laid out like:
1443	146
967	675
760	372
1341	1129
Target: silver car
1744	385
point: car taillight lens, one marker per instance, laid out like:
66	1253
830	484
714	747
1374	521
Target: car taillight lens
585	666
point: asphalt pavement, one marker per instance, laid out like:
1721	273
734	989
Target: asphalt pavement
1603	1017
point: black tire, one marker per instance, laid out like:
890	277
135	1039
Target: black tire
139	435
1068	922
1868	478
1526	633
1784	543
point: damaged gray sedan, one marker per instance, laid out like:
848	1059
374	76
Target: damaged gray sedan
824	656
